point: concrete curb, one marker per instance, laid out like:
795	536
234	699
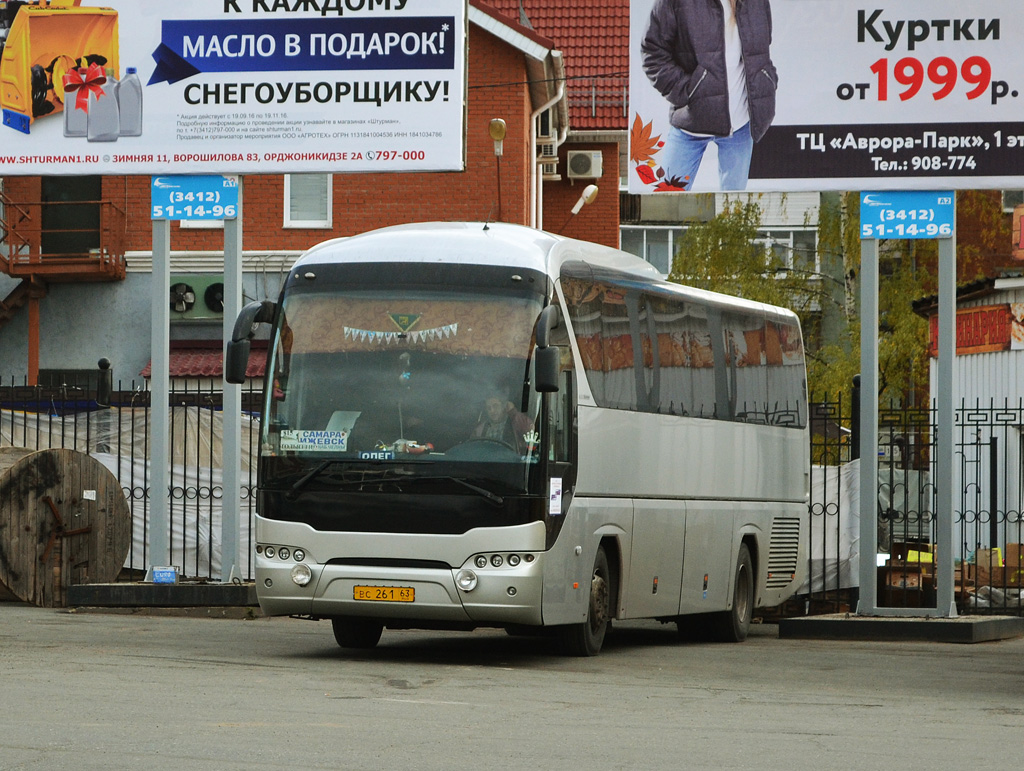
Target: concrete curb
136	595
965	629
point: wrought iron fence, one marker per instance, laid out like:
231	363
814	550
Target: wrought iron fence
990	485
117	432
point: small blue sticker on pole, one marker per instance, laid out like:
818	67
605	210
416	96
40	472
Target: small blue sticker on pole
194	197
907	214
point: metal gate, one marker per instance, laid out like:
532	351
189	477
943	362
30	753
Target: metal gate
989	484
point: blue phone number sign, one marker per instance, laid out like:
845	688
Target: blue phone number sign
194	197
907	214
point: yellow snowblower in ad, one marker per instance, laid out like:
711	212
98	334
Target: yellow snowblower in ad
40	42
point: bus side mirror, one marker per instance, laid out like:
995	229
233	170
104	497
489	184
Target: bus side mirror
236	354
547	321
546	364
546	357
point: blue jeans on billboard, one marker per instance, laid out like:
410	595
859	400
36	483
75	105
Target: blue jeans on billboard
683	154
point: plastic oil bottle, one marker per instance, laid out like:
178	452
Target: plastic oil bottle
75	120
129	102
104	123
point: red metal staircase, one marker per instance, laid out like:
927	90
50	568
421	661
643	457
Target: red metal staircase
48	242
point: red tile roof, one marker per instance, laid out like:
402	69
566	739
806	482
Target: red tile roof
593	36
205	358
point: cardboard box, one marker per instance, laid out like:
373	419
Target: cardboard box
999	576
1015	555
988	557
903	576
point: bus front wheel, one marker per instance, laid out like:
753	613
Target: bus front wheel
733	625
587	638
353	632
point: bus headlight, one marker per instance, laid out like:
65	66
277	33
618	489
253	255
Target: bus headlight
466	580
301	574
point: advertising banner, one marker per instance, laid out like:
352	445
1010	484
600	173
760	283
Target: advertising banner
983	329
232	86
825	95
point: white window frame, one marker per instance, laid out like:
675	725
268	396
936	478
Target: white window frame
1010	198
785	237
767	237
292	222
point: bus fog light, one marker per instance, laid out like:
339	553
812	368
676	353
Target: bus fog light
301	574
466	580
511	591
268	583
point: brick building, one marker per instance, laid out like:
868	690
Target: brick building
79	260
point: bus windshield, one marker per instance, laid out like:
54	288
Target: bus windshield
384	382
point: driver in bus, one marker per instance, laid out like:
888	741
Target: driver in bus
502	422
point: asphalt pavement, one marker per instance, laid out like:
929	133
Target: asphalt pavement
220	690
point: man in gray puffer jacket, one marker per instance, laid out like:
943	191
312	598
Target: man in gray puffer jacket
710	59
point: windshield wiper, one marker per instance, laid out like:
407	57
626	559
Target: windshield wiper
361	476
494	498
389	478
310	475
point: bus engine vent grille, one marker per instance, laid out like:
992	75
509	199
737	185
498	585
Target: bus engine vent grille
783	551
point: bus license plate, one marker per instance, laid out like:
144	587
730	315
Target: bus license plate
385	593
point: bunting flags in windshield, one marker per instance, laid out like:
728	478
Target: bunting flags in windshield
445	332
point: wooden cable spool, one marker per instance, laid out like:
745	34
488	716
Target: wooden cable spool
63	521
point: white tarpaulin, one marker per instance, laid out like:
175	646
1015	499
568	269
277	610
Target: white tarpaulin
117	439
834	531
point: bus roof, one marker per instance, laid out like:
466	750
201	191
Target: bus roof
473	243
505	244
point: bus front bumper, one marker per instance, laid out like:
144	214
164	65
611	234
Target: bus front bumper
499	596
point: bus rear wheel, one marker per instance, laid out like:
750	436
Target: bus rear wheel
587	638
733	625
354	632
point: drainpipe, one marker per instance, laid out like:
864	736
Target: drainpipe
33	337
536	199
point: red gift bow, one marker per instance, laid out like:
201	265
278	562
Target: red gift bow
83	81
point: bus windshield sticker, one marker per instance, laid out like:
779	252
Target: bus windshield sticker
404	321
555	497
314	441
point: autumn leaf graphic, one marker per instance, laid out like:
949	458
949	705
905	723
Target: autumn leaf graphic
673	185
642	146
646	174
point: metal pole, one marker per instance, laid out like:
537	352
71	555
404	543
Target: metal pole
159	387
867	604
945	451
230	503
855	419
993	491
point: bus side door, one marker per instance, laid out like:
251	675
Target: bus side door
654	579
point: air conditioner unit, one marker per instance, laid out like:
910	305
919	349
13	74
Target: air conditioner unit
584	164
197	297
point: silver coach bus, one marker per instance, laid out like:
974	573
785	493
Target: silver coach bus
471	424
